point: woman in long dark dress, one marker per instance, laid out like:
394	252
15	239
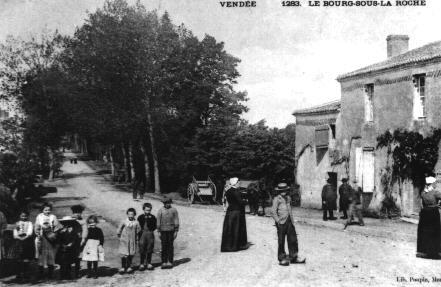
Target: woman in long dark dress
234	235
429	227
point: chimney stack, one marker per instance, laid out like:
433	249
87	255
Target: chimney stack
397	44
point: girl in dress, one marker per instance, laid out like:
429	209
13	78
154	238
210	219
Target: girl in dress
128	233
93	250
24	245
46	247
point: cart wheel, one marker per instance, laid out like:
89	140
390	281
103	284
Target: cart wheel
214	193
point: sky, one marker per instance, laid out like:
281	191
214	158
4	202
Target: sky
290	56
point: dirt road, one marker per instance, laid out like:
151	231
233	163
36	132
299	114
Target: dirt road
334	257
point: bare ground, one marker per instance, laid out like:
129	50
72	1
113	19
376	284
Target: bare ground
334	257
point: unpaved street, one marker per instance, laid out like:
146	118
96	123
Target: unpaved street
334	257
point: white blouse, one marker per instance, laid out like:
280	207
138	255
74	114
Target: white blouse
23	227
42	219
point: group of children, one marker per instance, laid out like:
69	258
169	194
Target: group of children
71	239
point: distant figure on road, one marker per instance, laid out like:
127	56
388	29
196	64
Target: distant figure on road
429	229
234	233
344	191
355	206
3	225
253	198
329	200
282	214
168	227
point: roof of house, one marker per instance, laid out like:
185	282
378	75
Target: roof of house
421	54
326	108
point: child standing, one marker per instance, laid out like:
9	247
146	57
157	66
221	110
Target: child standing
128	232
93	250
81	230
147	222
23	234
45	228
168	226
68	241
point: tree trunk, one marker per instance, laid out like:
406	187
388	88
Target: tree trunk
131	165
146	167
112	163
51	164
154	154
126	167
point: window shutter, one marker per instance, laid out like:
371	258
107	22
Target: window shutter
322	136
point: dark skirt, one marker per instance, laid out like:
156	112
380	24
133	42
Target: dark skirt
22	249
429	232
234	234
66	255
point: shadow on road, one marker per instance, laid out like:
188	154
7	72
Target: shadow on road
67	176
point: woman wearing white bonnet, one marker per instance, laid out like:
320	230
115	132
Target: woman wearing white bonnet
429	227
234	233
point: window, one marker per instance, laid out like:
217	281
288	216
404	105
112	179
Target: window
369	103
419	100
321	142
365	168
332	126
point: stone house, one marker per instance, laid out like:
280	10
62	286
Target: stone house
404	91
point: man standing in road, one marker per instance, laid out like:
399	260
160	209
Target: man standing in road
355	206
344	191
329	200
282	214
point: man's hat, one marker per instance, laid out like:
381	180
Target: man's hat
282	187
430	179
166	200
66	219
344	179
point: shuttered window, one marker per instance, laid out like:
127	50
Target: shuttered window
322	136
368	171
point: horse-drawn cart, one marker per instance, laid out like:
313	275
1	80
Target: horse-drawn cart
202	191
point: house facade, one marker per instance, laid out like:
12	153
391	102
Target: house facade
402	92
315	146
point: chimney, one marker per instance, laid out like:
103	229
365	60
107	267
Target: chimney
397	44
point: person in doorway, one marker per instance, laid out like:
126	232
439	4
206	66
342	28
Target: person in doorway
128	234
46	226
80	230
329	200
429	228
283	216
148	224
234	232
168	227
355	206
344	191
